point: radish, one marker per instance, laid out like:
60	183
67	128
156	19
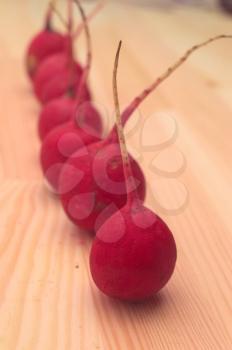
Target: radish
134	253
64	109
59	145
61	72
64	140
53	76
64	85
92	184
55	113
48	41
45	43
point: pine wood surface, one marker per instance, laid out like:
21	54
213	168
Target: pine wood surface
48	300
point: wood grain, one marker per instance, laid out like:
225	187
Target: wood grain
48	300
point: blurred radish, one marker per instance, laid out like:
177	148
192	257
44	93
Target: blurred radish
61	72
85	125
47	42
64	109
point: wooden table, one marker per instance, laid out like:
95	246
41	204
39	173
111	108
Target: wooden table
48	300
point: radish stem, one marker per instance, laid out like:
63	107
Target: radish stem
86	70
58	14
140	98
92	14
49	14
129	179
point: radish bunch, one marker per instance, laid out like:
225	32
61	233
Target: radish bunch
91	183
81	126
54	70
101	187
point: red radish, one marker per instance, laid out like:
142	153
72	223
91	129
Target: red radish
59	145
89	200
134	253
55	67
92	184
53	76
65	139
45	43
64	109
60	73
63	85
55	113
48	41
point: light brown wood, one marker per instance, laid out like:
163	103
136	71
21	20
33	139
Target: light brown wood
48	300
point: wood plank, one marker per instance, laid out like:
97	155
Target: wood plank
48	299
